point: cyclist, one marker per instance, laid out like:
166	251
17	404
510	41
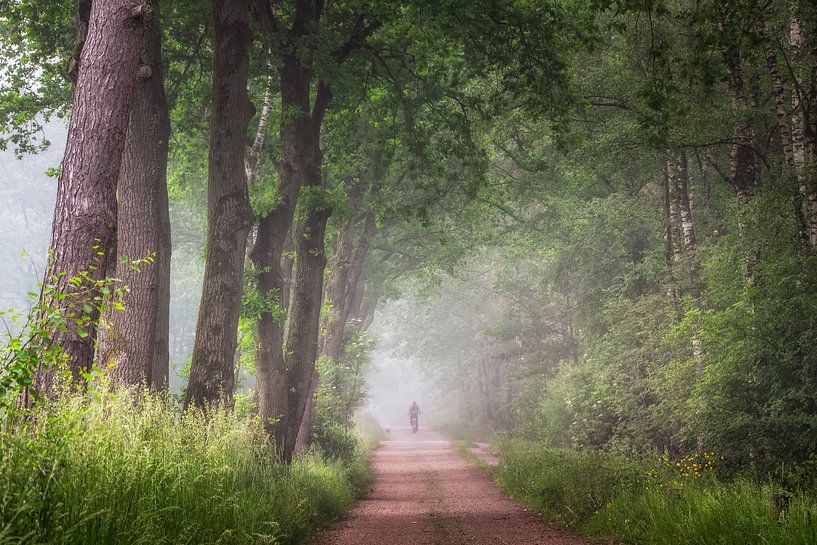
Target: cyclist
414	414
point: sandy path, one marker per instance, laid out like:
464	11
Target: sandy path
426	494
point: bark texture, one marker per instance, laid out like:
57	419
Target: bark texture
670	238
228	210
284	375
743	171
85	212
136	339
342	293
300	166
302	337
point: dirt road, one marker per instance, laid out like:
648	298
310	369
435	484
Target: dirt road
426	494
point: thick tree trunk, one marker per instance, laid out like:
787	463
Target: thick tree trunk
85	211
228	210
341	293
303	439
302	336
136	339
331	342
302	153
299	167
266	255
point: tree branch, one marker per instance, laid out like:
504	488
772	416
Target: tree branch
269	22
323	95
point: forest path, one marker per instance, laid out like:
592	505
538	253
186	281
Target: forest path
426	494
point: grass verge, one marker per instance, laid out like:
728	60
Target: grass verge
121	470
638	502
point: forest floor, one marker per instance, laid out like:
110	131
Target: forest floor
426	494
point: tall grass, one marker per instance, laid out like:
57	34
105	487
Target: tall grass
127	470
639	502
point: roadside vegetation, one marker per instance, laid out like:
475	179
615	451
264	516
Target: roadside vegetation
592	224
107	468
659	500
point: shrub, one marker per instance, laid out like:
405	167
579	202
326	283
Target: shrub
113	469
660	502
335	442
566	485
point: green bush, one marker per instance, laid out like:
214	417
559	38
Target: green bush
662	502
566	485
335	442
707	513
130	469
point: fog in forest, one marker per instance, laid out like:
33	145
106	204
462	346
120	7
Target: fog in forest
396	378
582	236
27	193
393	379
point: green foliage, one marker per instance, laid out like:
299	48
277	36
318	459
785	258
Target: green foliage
637	501
706	514
335	441
28	344
36	38
565	485
342	389
126	468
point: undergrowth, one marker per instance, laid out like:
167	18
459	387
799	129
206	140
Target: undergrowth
123	469
661	502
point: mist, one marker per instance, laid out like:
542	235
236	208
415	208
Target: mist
395	378
27	195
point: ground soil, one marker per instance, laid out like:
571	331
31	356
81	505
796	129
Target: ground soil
426	494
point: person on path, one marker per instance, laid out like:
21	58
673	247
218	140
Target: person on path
414	415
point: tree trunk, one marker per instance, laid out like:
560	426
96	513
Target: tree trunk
685	214
779	95
358	264
743	171
798	143
787	129
670	238
305	309
299	167
811	139
160	375
82	16
135	339
254	156
228	211
266	255
303	440
85	212
342	289
674	219
331	342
